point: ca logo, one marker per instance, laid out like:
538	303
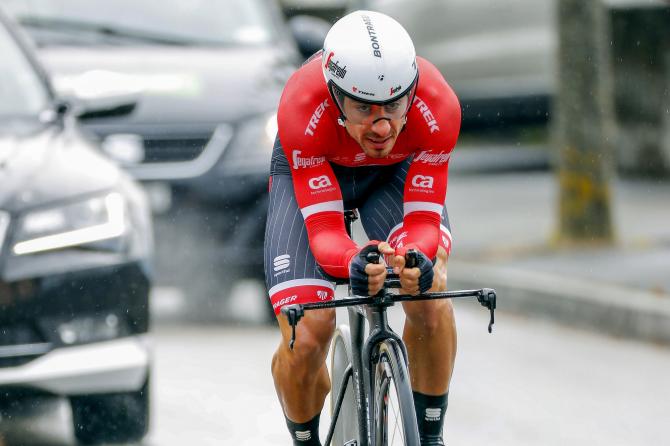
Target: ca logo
422	181
319	182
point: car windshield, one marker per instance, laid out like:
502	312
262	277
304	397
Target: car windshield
119	22
22	92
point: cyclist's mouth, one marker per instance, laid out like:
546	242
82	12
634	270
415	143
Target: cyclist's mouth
379	143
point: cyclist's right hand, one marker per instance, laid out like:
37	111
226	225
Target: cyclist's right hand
366	278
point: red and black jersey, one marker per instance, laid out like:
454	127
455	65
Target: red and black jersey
312	139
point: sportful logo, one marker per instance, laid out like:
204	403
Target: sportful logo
427	115
376	49
334	68
433	414
423	181
316	117
299	161
319	182
282	262
303	435
432	158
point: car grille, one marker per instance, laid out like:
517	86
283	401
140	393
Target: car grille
173	150
170	156
20	344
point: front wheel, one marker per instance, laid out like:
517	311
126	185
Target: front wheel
394	415
346	429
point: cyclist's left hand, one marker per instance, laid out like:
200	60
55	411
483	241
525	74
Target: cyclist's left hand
413	280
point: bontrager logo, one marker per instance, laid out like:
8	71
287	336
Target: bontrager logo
433	414
423	181
316	117
303	435
282	262
319	182
376	49
427	115
285	301
299	161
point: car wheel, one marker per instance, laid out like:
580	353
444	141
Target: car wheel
111	418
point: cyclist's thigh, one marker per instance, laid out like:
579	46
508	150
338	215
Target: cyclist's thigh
382	213
291	272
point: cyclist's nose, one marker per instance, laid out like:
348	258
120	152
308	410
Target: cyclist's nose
381	126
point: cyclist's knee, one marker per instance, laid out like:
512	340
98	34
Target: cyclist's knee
430	316
313	335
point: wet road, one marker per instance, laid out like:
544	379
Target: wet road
531	382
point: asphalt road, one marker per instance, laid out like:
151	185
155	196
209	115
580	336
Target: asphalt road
531	382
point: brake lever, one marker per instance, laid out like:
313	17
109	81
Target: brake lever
487	298
293	313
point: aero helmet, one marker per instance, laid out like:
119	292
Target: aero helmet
369	57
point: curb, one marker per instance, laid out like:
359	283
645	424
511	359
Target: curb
604	308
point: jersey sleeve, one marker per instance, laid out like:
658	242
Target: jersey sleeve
437	117
305	132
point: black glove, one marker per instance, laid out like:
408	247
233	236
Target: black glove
425	267
358	278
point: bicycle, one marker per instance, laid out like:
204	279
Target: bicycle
369	374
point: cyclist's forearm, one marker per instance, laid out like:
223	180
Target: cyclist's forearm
330	244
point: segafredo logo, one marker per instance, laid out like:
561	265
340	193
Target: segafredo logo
334	68
434	159
427	115
394	90
311	161
316	117
319	182
423	181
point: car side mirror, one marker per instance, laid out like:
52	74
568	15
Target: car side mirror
309	32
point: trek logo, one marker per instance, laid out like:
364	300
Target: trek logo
282	262
319	182
434	159
366	93
285	301
299	161
394	90
376	49
433	414
334	68
316	117
427	115
422	181
323	295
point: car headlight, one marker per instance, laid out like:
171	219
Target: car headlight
93	220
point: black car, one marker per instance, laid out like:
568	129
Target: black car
200	139
75	259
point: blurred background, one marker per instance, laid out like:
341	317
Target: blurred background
135	142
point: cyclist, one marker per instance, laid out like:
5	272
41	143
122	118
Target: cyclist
376	135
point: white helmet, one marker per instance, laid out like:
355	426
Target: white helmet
369	57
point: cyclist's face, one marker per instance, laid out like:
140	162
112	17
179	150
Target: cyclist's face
375	127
